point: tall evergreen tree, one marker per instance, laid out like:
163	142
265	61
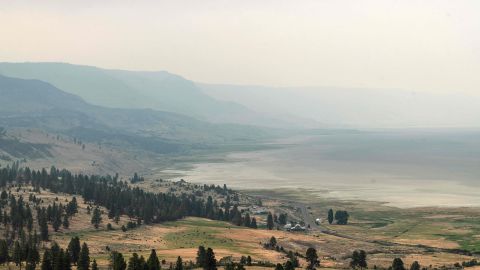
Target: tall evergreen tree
47	260
94	265
134	263
253	224
96	217
65	222
270	224
210	261
179	264
74	249
362	259
397	264
312	258
84	258
4	257
247	222
17	255
153	262
289	265
201	256
415	266
117	261
330	216
42	220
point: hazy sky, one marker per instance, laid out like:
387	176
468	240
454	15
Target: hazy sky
418	45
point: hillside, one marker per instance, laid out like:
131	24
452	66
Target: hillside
36	104
138	90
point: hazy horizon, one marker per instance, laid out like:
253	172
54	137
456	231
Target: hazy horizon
427	46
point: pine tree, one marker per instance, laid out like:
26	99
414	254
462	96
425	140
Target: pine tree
312	258
270	224
134	263
17	255
3	251
330	216
94	265
57	221
33	257
96	217
362	259
289	265
67	264
65	222
84	258
42	220
153	262
117	261
247	221
279	266
210	261
47	260
273	242
74	249
179	264
201	256
355	259
253	224
397	264
415	266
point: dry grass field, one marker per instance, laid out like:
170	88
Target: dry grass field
182	238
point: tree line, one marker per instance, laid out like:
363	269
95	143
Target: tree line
119	198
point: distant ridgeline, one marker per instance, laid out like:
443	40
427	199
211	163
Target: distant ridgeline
121	199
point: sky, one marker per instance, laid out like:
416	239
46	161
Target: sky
431	46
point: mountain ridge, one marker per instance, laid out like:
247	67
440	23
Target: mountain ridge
158	90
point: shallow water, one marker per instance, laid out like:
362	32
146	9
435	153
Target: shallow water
401	168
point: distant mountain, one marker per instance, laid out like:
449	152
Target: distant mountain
37	104
356	107
140	90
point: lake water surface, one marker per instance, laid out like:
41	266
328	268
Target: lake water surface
402	168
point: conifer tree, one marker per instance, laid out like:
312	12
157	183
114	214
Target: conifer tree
42	220
74	249
397	264
289	265
84	258
330	216
153	263
270	224
253	224
4	257
210	261
47	260
312	258
117	261
201	256
17	255
96	217
94	265
179	264
65	222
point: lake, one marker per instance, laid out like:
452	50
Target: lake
404	168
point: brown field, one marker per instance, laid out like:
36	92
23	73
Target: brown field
182	238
